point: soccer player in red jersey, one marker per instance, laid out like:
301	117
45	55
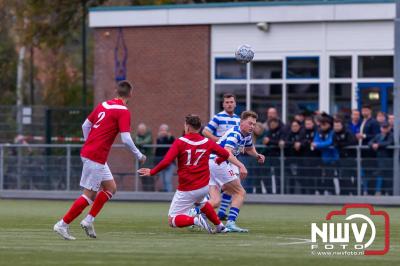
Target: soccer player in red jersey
99	131
193	152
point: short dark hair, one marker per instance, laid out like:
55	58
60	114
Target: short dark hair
124	88
338	120
247	114
228	95
194	121
309	118
367	106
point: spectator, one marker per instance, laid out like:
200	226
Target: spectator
381	117
143	137
273	136
379	144
323	141
300	118
294	151
254	180
355	123
272	113
310	159
391	122
369	126
343	138
164	137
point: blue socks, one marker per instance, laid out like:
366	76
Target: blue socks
233	214
225	202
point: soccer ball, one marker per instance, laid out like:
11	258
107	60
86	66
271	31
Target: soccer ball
244	53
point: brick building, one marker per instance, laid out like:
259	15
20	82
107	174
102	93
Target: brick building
327	55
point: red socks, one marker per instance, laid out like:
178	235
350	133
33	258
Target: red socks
182	220
77	207
209	211
102	197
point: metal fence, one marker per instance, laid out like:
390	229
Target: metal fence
57	167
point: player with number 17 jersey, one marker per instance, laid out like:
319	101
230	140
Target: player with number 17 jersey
193	152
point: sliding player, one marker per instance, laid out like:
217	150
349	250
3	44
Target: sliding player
193	153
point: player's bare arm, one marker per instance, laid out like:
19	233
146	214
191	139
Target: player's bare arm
208	134
253	152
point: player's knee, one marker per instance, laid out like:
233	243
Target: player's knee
242	192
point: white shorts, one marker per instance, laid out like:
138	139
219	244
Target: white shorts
183	201
221	174
93	174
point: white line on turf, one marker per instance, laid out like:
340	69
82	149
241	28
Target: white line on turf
302	241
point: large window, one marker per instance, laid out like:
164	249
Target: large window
340	66
302	67
340	98
264	96
229	69
302	98
375	66
239	90
266	70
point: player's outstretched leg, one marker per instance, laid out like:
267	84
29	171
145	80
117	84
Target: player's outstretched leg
182	220
62	226
238	194
209	212
225	202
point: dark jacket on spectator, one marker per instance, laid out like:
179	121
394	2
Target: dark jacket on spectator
371	129
290	140
383	142
355	128
344	139
324	143
161	151
274	137
307	140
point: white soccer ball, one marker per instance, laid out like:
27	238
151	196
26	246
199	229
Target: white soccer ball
244	53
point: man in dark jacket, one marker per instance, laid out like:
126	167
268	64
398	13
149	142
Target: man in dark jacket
323	141
271	140
311	156
342	138
380	144
294	151
165	138
369	126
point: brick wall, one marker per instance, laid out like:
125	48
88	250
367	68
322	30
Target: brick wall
169	67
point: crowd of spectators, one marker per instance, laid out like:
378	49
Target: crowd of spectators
318	150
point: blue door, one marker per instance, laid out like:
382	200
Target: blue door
378	95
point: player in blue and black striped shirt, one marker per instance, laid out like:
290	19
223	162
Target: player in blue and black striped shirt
216	128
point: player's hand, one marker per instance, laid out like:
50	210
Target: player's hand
242	172
260	158
143	159
144	171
